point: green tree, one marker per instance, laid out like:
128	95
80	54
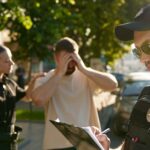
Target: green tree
36	25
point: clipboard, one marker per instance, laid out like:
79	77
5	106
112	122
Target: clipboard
81	138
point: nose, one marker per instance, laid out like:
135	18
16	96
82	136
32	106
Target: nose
11	62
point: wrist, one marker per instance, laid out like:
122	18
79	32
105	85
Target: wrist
84	70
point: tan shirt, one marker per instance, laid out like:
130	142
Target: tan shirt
71	103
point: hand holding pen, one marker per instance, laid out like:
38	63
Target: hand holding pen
104	139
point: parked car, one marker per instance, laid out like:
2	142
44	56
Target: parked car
126	99
119	77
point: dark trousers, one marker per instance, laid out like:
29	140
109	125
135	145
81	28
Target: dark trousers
8	138
8	146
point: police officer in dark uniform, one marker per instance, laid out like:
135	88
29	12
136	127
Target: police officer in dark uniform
10	94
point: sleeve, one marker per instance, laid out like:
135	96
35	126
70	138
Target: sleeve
14	90
20	93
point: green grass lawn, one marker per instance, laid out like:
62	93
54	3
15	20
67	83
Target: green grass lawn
29	115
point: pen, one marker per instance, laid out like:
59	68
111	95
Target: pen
106	131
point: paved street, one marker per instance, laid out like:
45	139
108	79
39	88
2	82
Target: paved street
32	135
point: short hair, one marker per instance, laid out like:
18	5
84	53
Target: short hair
66	44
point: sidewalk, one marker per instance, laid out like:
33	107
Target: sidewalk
32	135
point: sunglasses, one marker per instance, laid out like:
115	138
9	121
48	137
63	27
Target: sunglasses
144	48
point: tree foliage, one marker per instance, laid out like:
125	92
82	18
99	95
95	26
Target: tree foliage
36	25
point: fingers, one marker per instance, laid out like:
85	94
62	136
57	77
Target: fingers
80	64
95	130
76	57
66	58
42	74
36	76
103	137
62	62
104	140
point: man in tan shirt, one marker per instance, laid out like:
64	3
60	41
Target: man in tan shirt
67	93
